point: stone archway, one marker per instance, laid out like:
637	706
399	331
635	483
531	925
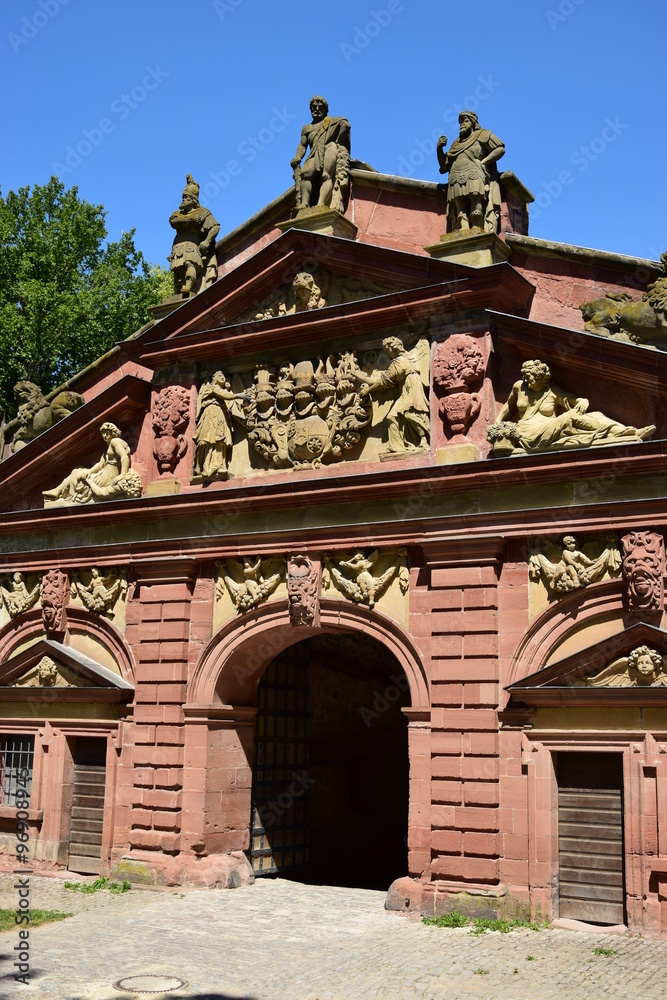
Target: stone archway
221	712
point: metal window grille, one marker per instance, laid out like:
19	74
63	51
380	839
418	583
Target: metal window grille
16	760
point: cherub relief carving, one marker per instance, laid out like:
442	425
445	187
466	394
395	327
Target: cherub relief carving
44	674
17	596
644	667
574	569
100	593
355	575
250	581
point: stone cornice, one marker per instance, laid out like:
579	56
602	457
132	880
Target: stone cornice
531	245
629	364
497	286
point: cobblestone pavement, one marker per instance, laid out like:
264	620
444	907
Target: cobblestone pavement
279	940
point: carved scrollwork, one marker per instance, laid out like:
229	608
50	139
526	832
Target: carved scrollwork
643	570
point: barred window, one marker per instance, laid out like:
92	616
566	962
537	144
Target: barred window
16	757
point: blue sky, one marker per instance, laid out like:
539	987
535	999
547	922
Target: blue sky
124	97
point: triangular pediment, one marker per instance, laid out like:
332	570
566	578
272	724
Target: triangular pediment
345	271
49	669
628	667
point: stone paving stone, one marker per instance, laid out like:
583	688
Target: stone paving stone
279	940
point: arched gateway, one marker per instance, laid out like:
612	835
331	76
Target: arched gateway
376	514
303	745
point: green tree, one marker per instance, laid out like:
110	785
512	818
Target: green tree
66	295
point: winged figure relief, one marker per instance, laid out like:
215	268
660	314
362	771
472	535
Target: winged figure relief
17	596
643	667
101	593
250	581
575	568
355	575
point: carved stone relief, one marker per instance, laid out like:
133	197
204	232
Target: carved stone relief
575	568
303	590
112	478
100	593
644	667
643	570
55	595
314	411
171	416
36	414
49	673
249	581
20	593
618	316
458	369
313	290
364	577
549	419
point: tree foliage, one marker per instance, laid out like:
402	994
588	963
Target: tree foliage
66	295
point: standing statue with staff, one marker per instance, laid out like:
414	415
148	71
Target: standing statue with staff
323	179
473	192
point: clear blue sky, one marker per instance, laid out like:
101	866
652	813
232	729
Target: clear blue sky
149	90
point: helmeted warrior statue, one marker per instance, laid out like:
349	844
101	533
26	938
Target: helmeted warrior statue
473	192
323	179
192	257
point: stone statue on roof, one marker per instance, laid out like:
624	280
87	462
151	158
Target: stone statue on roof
473	192
192	257
323	179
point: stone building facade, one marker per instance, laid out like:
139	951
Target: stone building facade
304	616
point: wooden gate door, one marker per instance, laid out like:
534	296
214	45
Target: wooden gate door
590	837
85	842
279	825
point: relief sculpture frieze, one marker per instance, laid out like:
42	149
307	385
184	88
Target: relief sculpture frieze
303	414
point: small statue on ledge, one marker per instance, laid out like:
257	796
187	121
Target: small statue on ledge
473	192
323	179
550	418
192	257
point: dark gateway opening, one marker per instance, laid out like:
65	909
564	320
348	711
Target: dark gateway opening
330	780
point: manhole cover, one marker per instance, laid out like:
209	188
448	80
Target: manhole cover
149	984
